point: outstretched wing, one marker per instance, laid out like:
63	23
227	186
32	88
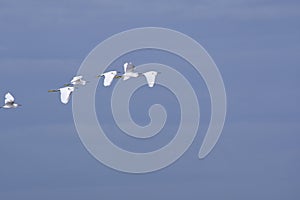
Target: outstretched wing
126	78
108	77
65	94
78	80
128	67
150	77
9	99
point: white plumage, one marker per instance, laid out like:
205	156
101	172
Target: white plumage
150	77
9	101
65	93
129	71
78	80
108	77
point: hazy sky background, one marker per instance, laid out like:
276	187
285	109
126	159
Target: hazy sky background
255	44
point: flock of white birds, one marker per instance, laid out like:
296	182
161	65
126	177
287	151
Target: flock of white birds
68	89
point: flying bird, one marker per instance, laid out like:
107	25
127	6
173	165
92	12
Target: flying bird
108	77
77	81
150	77
10	102
129	71
65	93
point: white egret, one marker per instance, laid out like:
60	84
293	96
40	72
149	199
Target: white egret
150	77
65	93
108	77
129	71
77	81
10	102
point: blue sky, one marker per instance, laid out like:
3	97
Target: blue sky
255	44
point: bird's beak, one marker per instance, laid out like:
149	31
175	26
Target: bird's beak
66	85
52	90
99	76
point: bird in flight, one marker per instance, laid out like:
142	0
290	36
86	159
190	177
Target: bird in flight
65	93
10	102
129	71
77	81
151	77
108	77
